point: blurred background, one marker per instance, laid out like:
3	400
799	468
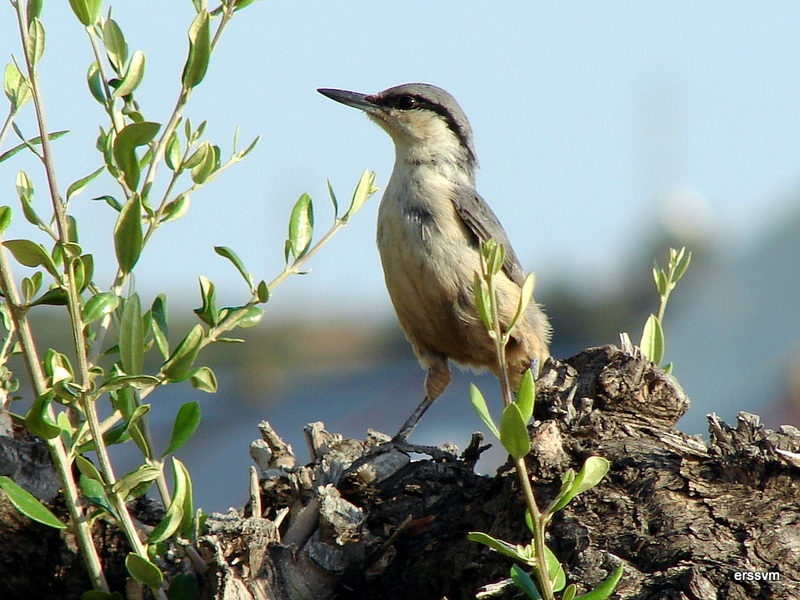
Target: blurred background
606	132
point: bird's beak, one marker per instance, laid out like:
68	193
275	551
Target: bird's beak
354	99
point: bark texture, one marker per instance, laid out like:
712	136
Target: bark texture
689	519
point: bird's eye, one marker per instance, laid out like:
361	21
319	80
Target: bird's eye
406	102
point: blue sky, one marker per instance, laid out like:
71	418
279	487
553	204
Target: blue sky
586	117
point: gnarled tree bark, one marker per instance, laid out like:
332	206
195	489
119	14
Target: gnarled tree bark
688	519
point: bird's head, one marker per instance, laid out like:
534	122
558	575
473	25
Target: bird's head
425	122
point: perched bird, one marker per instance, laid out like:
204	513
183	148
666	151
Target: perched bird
431	222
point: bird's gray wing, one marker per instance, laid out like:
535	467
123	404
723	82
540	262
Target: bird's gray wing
484	224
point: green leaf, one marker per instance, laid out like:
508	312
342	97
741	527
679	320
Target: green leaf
569	592
52	297
364	189
497	545
16	87
482	301
179	508
31	142
178	366
34	43
203	379
76	187
333	200
240	4
160	328
131	336
87	11
186	422
28	504
660	277
99	306
513	432
95	83
248	318
262	291
31	254
208	164
33	10
140	382
301	226
183	586
524	582
199	51
208	312
605	589
479	404
173	153
133	75
176	209
5	218
144	571
681	264
524	299
128	235
131	137
86	467
592	473
226	252
94	492
142	474
116	46
38	421
555	571
652	343
526	396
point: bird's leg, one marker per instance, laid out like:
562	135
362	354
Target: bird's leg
437	379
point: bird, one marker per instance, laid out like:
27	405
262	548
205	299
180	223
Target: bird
431	223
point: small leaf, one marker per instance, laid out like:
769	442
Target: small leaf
681	265
186	422
95	83
99	306
143	474
482	301
160	327
203	379
34	43
208	312
116	46
558	578
592	473
524	299
513	432
173	154
526	396
178	366
569	592
199	51
182	586
5	218
479	404
133	75
605	589
660	277
86	467
524	582
128	235
301	226
176	209
262	291
75	188
333	200
131	336
497	545
31	142
144	571
87	11
226	252
33	10
28	504
652	343
131	137
209	163
52	297
364	189
31	254
140	382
